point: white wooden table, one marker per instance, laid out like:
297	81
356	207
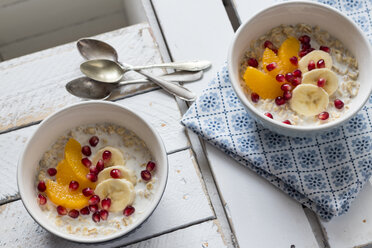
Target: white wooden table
210	200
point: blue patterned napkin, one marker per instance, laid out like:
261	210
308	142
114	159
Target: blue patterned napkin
325	173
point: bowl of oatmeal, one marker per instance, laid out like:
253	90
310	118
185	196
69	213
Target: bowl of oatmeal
300	68
92	172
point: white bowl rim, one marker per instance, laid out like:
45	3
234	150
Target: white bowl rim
247	104
117	234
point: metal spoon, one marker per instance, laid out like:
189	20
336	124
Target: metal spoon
92	49
85	87
105	50
108	71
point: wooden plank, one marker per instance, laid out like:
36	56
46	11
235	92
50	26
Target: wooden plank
184	203
354	229
39	79
157	107
195	30
258	210
202	235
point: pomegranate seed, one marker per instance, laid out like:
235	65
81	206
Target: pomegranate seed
293	60
279	100
302	53
41	186
321	82
289	77
311	65
286	87
320	63
96	217
146	175
92	177
94	200
52	171
88	192
93	208
42	199
280	78
325	49
86	162
150	166
86	151
115	173
255	97
339	104
323	116
310	50
93	141
106	203
252	62
73	185
269	115
296	81
106	156
100	165
129	210
61	210
287	95
73	213
297	73
270	45
305	46
93	169
103	214
85	211
271	66
287	122
304	39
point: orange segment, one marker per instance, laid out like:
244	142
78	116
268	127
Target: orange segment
60	195
269	57
65	175
73	157
289	48
261	83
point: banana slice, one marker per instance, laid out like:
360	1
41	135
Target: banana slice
125	174
116	156
120	191
309	100
313	76
315	55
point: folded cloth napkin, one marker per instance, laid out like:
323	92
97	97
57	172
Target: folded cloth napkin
325	173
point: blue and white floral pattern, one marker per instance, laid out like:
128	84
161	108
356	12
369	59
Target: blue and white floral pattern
308	159
325	173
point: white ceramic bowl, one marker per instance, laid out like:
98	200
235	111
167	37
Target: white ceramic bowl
327	18
72	116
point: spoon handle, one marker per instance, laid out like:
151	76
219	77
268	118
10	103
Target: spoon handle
196	65
179	76
172	88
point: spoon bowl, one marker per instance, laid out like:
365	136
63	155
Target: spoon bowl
87	88
96	49
102	70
